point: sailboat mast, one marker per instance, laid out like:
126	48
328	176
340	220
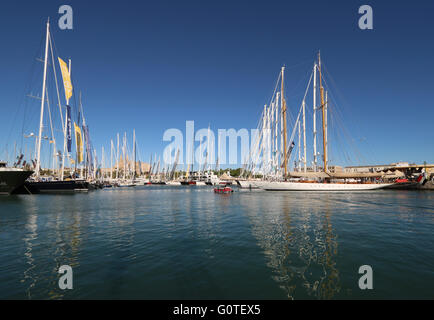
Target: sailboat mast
134	147
276	128
102	163
326	106
192	157
285	160
264	138
41	119
125	155
323	114
117	159
111	159
208	154
314	120
304	136
299	146
279	142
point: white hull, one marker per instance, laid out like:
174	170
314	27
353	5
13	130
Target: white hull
251	184
200	183
173	183
301	186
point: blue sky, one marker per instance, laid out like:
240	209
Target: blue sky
153	65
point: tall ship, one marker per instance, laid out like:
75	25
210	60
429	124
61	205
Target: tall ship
278	149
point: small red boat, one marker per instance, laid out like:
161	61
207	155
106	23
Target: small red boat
223	189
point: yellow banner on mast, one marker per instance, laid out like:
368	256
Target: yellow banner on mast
79	143
67	84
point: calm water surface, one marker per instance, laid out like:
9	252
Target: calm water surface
188	243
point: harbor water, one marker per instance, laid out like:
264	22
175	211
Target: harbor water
167	242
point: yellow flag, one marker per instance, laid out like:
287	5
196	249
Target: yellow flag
66	79
79	143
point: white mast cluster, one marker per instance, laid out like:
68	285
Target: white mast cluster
269	152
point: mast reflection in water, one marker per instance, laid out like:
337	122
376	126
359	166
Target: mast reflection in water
168	242
301	248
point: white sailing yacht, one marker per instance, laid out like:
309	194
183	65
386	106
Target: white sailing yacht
279	178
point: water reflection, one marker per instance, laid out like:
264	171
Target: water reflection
301	246
61	246
29	276
185	243
68	238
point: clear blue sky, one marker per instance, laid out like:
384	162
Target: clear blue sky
154	65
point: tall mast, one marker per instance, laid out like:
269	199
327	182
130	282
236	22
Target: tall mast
326	126
299	146
304	136
268	134
102	162
285	160
264	139
117	160
192	157
125	156
201	156
41	119
314	119
323	114
208	154
279	120
134	147
111	159
276	124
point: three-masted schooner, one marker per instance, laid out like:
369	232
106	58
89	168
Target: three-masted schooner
276	176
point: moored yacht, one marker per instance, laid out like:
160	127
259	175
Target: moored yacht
12	178
277	148
318	186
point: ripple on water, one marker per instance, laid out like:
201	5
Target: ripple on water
187	242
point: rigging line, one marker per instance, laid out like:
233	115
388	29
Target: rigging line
341	95
57	86
291	140
275	88
343	127
51	125
292	94
351	144
337	138
347	142
259	128
23	100
334	117
301	108
302	80
74	100
260	121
